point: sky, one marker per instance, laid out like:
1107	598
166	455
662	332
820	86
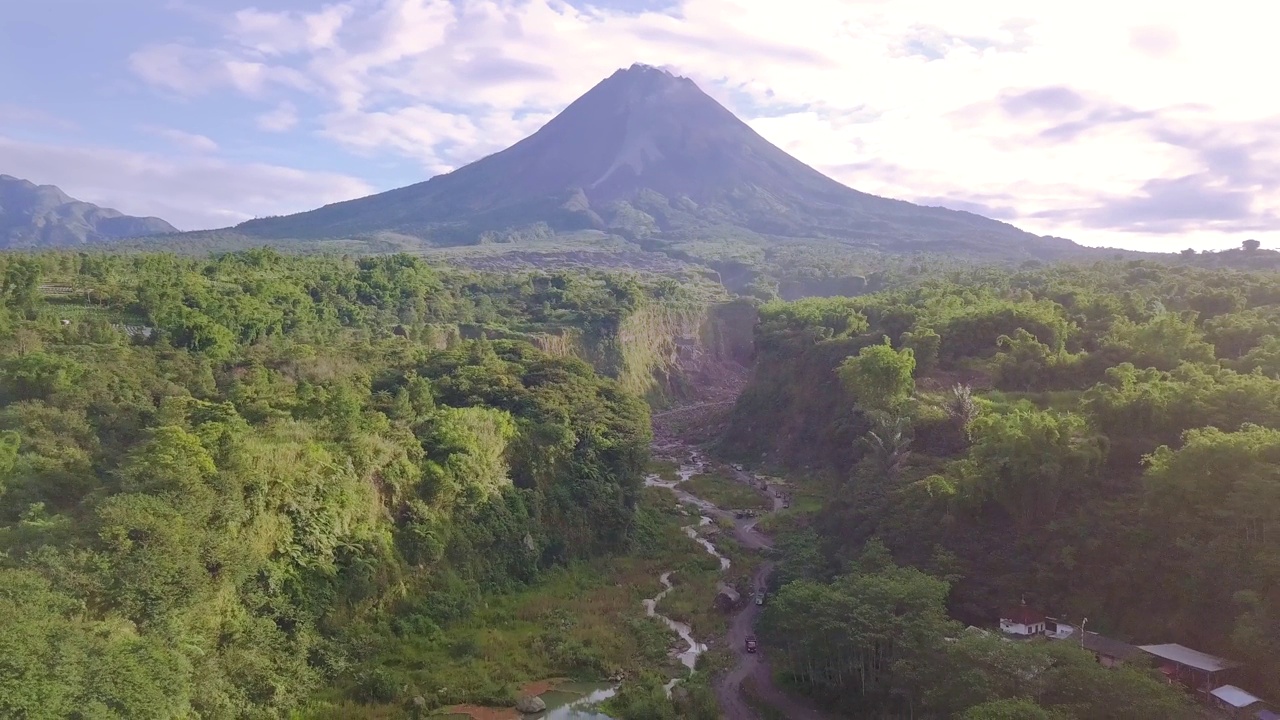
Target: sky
1125	124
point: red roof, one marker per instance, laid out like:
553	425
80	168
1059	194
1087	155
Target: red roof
1023	615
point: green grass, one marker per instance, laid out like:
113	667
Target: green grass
726	493
665	469
584	622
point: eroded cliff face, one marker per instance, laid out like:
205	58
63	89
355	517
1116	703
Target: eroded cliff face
670	354
664	353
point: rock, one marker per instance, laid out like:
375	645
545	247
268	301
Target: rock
417	707
530	704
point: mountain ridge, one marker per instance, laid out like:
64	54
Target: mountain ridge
34	215
645	154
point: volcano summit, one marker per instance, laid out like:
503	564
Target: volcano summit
648	155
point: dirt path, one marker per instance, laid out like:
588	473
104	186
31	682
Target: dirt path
729	690
675	432
755	665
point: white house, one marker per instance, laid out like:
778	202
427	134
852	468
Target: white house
1022	622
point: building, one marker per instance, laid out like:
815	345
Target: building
1199	671
1107	651
1022	622
1237	702
1056	629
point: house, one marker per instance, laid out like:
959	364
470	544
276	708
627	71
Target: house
1238	703
1056	629
1022	622
1108	652
1199	671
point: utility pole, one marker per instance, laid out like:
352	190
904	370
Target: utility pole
1082	623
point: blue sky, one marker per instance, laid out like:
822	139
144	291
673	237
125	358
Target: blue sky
1112	125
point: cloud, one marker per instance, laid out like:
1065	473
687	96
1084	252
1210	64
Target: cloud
196	193
193	72
185	140
282	119
1155	41
18	115
1062	117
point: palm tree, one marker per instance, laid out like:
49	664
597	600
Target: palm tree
890	442
961	406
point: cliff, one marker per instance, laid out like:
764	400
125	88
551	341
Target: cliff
664	353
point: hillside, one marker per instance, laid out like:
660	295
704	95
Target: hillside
43	216
648	156
1054	434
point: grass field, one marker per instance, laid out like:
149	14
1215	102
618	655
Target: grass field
726	493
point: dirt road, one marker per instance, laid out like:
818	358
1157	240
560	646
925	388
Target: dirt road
755	665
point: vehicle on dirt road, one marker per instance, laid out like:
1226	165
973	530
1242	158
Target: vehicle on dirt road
759	597
751	643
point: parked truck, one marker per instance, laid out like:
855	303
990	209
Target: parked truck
751	643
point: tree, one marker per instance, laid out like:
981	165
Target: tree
1013	709
1026	460
879	376
924	343
889	441
1188	253
1250	245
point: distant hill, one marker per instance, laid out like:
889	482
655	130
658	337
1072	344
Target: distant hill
647	155
43	216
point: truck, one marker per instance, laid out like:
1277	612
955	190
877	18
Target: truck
760	597
751	643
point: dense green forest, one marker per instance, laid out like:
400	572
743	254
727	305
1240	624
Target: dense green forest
1098	439
258	485
226	484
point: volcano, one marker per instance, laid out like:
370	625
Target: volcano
648	154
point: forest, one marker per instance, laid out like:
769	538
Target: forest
264	485
227	484
1097	440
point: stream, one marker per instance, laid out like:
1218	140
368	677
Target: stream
688	658
577	702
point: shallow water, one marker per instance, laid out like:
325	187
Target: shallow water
572	701
693	533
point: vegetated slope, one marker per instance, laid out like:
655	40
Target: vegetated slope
1081	461
302	461
646	154
43	216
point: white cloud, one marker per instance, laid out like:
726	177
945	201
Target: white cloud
282	119
197	193
185	140
192	71
909	99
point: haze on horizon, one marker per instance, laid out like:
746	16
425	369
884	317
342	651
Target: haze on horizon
1103	123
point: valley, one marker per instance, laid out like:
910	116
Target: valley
379	488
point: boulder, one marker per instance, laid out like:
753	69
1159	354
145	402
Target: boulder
530	704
